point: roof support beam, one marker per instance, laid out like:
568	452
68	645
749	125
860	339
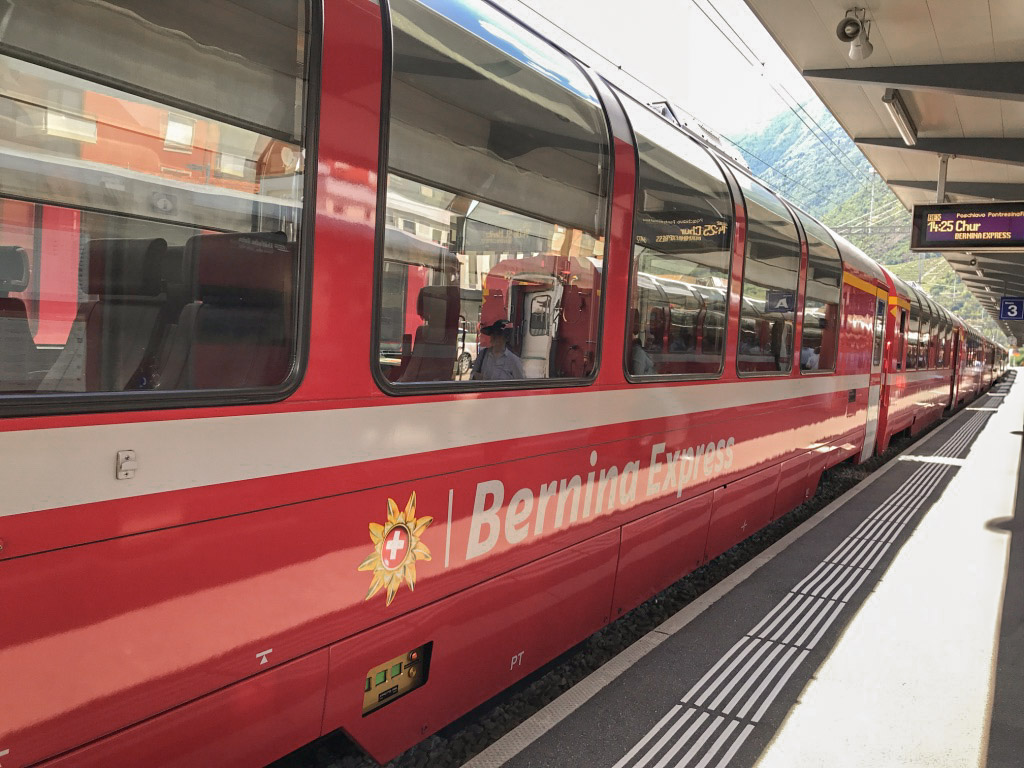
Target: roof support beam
993	259
992	149
991	278
997	80
991	189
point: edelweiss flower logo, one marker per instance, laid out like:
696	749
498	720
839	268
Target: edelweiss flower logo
397	547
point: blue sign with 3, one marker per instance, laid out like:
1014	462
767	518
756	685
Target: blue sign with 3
1011	308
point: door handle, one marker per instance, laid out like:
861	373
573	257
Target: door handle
852	396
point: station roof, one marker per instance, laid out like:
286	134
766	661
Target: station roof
959	68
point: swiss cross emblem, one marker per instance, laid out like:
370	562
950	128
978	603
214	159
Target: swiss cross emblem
396	547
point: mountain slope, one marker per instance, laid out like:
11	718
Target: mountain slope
807	157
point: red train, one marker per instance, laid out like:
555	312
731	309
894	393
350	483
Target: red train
253	491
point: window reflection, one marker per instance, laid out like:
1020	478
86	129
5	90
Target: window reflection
879	334
454	266
682	234
913	336
820	339
148	246
496	203
129	155
770	272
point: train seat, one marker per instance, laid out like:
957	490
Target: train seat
177	277
434	346
118	328
17	349
238	332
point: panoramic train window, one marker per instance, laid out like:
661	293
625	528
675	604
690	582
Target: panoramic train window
153	199
820	335
682	234
933	334
924	336
497	195
912	333
770	274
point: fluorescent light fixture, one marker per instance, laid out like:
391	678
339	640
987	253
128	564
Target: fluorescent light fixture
978	272
900	115
987	289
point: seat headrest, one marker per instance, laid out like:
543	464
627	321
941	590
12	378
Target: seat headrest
250	269
432	296
13	268
126	267
172	270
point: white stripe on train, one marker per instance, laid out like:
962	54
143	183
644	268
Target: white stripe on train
66	466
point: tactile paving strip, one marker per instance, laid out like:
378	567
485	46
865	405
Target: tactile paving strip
712	721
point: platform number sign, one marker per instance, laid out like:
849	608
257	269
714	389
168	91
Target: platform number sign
1011	308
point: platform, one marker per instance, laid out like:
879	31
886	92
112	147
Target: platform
888	630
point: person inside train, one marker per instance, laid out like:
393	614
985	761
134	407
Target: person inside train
809	358
656	329
640	363
496	362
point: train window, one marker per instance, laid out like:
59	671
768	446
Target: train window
153	199
913	334
820	335
498	165
901	340
940	345
933	337
924	337
876	354
770	274
682	234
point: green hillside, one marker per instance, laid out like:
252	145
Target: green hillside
810	160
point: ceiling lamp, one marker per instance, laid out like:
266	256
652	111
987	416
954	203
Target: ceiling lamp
900	115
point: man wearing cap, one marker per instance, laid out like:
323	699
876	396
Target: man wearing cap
496	362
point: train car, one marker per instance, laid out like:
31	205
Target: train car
919	361
971	379
252	493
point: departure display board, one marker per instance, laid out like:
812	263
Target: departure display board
681	232
968	227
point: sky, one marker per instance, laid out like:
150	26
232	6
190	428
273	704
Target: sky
672	47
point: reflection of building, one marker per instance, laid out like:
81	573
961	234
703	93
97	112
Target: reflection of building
72	142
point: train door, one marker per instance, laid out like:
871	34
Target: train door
954	386
539	332
875	378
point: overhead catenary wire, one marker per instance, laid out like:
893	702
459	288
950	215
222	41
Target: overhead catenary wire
760	66
820	195
877	215
781	86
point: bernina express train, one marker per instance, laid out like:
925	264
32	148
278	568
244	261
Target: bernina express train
253	493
